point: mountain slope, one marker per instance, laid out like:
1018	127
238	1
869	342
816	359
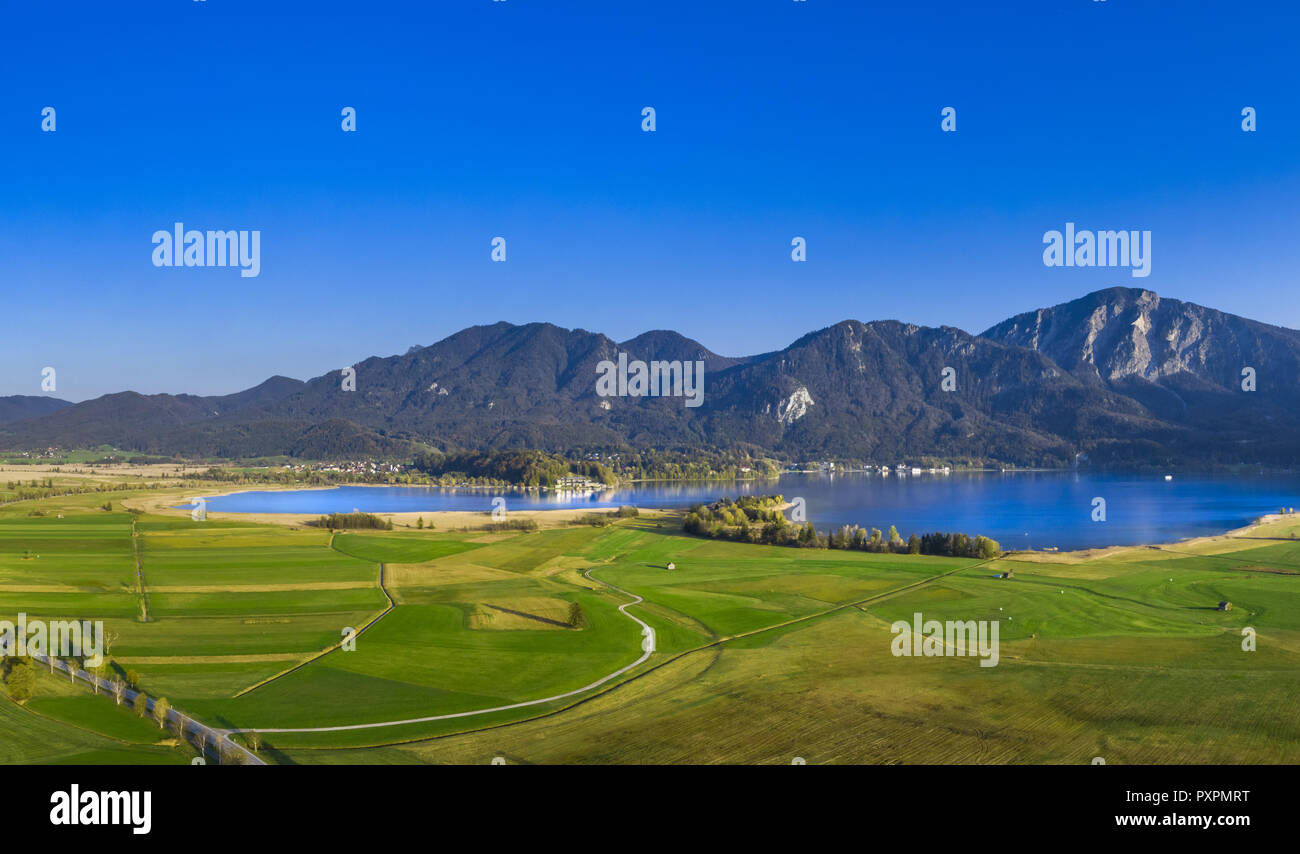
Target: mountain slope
877	391
1131	333
1186	364
135	421
19	406
1119	376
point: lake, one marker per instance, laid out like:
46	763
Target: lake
1018	509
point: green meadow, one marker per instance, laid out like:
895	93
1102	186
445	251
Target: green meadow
763	653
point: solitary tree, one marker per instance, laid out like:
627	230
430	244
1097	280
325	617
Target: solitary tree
161	710
988	549
255	741
21	681
119	690
140	704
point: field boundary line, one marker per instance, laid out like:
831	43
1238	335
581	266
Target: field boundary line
139	573
316	656
1231	556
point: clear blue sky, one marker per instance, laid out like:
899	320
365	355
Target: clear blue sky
522	119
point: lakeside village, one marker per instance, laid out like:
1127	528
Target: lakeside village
589	473
898	470
580	483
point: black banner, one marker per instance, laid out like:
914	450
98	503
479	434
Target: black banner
338	804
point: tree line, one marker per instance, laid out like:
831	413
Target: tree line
759	519
355	521
524	468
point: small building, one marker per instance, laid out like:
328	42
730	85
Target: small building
672	565
1225	606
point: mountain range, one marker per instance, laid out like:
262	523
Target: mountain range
1117	377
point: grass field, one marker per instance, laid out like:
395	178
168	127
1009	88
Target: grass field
763	653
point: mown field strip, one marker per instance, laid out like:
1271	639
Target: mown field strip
246	658
259	588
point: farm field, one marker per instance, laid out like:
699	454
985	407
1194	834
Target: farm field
762	653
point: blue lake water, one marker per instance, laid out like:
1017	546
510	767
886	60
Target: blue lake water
1019	510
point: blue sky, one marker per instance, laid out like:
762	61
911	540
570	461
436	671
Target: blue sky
522	119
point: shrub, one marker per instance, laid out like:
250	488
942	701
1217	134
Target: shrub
355	521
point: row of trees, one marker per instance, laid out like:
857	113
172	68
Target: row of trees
18	492
19	676
47	483
760	520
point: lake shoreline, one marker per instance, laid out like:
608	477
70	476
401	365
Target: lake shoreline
445	520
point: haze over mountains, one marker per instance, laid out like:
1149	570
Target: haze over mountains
19	406
1120	376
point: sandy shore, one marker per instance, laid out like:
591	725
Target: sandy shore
163	503
1269	527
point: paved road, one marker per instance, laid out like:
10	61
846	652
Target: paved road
212	739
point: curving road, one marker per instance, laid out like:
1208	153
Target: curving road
647	646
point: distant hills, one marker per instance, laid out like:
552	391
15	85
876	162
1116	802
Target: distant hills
20	406
1120	376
